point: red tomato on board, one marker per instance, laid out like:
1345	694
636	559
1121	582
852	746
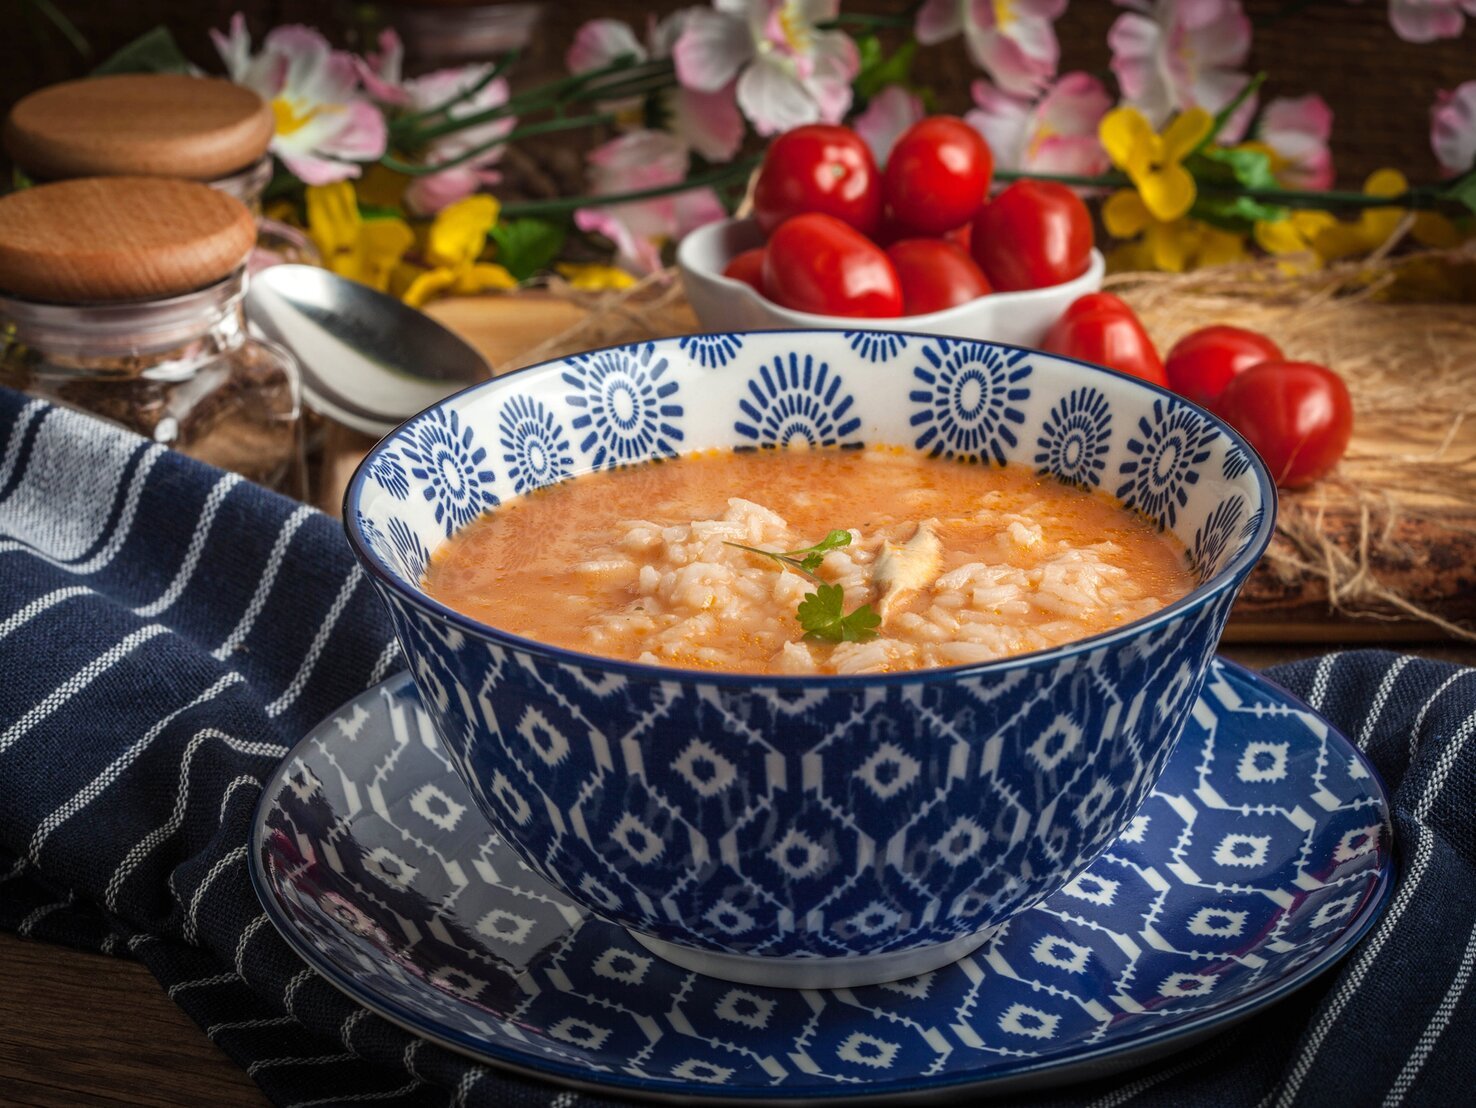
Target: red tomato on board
1033	234
816	263
1298	416
1202	363
935	275
818	168
747	267
1100	328
937	175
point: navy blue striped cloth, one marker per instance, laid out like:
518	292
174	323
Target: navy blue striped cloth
167	631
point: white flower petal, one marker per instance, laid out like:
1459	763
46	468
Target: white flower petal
711	50
773	99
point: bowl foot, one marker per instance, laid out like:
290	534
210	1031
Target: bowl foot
813	973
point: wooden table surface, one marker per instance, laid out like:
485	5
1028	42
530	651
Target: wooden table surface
83	1028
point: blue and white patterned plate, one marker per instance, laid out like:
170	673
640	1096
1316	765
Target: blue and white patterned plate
1260	859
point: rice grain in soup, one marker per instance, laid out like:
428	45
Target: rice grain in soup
966	563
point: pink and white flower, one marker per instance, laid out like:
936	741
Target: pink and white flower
707	121
1429	20
890	112
1055	134
1176	54
789	73
382	74
1014	41
1453	129
324	128
634	162
1297	130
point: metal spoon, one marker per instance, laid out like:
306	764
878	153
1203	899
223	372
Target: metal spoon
367	360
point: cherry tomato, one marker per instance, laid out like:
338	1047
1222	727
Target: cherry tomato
1100	328
1298	416
748	267
1033	234
934	275
818	168
962	236
1202	363
816	263
938	174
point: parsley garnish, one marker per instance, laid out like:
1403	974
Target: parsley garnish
822	613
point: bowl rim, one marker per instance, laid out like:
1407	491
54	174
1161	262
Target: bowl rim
1228	577
1091	277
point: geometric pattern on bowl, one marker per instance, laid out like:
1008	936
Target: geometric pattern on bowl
1261	856
810	817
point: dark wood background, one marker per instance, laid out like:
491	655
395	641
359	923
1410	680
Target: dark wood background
1380	87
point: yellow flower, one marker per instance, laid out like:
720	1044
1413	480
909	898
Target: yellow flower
455	241
1153	161
365	250
1373	227
595	278
1295	237
1175	246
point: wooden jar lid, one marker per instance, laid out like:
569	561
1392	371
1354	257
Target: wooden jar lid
160	124
119	238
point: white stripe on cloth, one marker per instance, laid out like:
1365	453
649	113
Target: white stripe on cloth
388	1094
321	1060
140	849
23	929
320	640
201	982
39	605
121	531
187	567
1376	709
412	1048
79	681
250	1025
289	991
386	659
1369	951
236	782
191	924
464	1086
246	932
1132	1089
95	788
23	420
1419	723
346	1030
1320	680
238	635
1435	1028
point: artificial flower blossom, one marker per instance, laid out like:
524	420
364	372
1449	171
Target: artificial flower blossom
1173	55
452	251
707	121
1428	20
1295	238
1177	246
639	228
789	72
1373	227
891	111
363	250
1014	41
323	127
1153	162
1055	134
593	277
1453	129
382	74
1294	132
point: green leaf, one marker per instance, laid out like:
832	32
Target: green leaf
528	245
1238	213
1462	190
879	70
152	52
1219	165
1222	117
822	615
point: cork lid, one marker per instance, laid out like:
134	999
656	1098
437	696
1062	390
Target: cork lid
119	238
167	124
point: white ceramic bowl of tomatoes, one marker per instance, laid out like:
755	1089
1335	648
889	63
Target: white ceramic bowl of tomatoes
835	241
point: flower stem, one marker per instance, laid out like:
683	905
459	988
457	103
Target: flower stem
1418	197
569	123
560	204
498	68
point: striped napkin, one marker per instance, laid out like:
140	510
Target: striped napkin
167	631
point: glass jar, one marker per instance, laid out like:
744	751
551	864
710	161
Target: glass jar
181	371
276	242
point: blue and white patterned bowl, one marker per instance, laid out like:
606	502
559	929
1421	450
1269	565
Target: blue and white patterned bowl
810	831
